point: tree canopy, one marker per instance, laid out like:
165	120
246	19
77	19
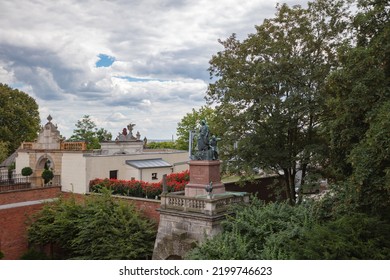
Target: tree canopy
19	118
268	88
358	103
351	105
86	130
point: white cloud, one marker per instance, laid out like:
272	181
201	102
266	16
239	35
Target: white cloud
49	49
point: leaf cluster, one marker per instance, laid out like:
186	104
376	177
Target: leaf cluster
268	89
27	171
257	231
19	118
86	130
101	228
138	188
281	231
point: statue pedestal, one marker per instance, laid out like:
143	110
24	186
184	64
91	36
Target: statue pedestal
202	172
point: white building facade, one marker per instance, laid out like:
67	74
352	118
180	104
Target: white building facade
122	159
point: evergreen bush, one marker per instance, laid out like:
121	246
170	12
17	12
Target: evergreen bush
27	171
98	229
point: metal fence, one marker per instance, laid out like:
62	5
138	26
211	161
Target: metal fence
19	182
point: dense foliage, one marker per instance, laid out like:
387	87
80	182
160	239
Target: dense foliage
98	229
86	130
282	231
256	232
161	145
268	89
136	188
47	175
315	102
19	119
27	171
357	110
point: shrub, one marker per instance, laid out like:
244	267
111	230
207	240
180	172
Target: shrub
101	228
352	236
136	188
257	231
33	254
27	171
47	175
280	231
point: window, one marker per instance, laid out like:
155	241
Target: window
113	174
154	176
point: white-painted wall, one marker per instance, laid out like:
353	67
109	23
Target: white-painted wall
78	169
73	177
22	160
146	174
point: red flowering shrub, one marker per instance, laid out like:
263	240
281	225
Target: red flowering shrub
175	182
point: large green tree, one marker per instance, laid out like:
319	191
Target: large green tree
19	118
358	105
268	88
86	130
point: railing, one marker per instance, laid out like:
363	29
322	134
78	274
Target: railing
27	145
73	146
67	146
205	205
19	182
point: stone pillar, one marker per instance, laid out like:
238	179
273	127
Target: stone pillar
180	232
202	172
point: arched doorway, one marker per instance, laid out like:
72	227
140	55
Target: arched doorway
45	161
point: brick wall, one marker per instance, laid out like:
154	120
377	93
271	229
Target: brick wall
29	195
147	206
267	189
13	230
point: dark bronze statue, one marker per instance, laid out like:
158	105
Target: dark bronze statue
206	147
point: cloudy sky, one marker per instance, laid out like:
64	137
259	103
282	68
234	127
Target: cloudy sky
119	61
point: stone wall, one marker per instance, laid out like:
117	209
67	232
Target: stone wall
180	232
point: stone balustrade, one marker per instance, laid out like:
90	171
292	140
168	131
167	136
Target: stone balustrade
67	146
73	146
27	145
207	205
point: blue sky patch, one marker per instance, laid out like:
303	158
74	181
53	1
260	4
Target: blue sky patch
105	60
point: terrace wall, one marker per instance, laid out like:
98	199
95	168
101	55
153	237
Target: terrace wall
17	206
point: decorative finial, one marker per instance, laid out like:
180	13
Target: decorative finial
49	118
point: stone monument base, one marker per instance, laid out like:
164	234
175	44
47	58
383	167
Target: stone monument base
202	172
